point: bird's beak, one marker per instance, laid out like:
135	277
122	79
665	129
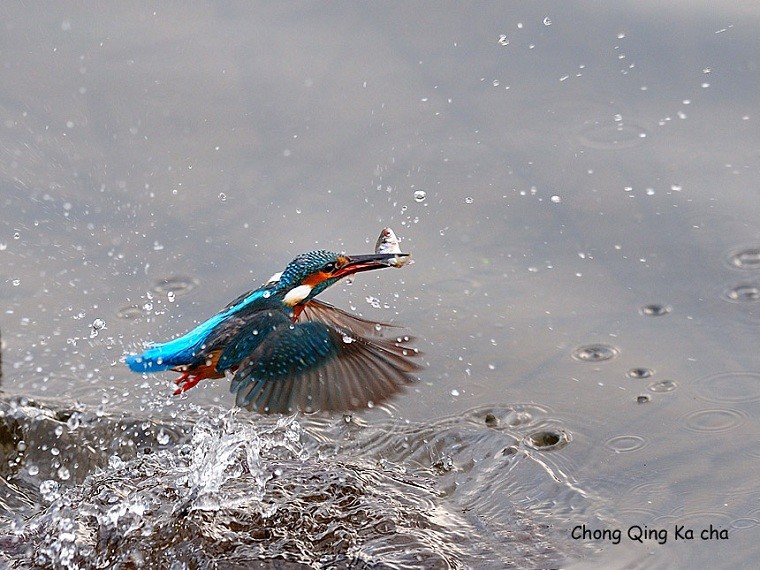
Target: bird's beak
357	263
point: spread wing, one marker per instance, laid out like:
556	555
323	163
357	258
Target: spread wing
333	316
315	365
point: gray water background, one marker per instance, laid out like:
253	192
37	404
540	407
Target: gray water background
580	163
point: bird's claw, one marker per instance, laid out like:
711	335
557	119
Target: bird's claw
185	382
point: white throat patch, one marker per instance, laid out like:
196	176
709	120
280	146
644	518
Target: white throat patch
296	295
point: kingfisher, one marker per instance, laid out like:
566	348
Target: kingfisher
284	350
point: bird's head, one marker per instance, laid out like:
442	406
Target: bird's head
311	273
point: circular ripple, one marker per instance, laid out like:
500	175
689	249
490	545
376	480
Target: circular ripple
130	313
612	136
744	523
655	310
640	373
176	284
745	258
626	443
595	353
731	387
713	421
662	386
742	293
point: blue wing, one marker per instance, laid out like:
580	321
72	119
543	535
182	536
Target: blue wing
317	365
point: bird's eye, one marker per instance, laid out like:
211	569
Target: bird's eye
329	267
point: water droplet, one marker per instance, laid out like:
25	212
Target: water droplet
63	473
640	373
162	437
171	296
503	40
16	235
469	200
16	282
747	258
595	353
49	490
655	310
455	392
743	293
556	199
420	195
222	197
33	470
347	339
547	21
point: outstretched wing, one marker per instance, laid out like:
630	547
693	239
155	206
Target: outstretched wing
313	366
317	311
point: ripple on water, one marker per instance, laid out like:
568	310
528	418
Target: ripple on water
742	293
612	136
595	353
655	310
662	386
175	284
744	258
130	312
713	420
732	387
626	443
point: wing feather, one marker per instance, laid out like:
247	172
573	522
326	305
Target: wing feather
312	365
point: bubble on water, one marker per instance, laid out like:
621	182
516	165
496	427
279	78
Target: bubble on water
33	470
746	258
420	195
655	310
347	339
595	353
503	40
469	200
374	301
16	282
547	21
222	197
162	437
640	373
16	235
455	392
171	296
98	324
63	473
556	199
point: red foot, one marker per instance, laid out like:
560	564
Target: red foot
185	382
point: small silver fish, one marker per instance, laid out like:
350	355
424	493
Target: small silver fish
389	243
